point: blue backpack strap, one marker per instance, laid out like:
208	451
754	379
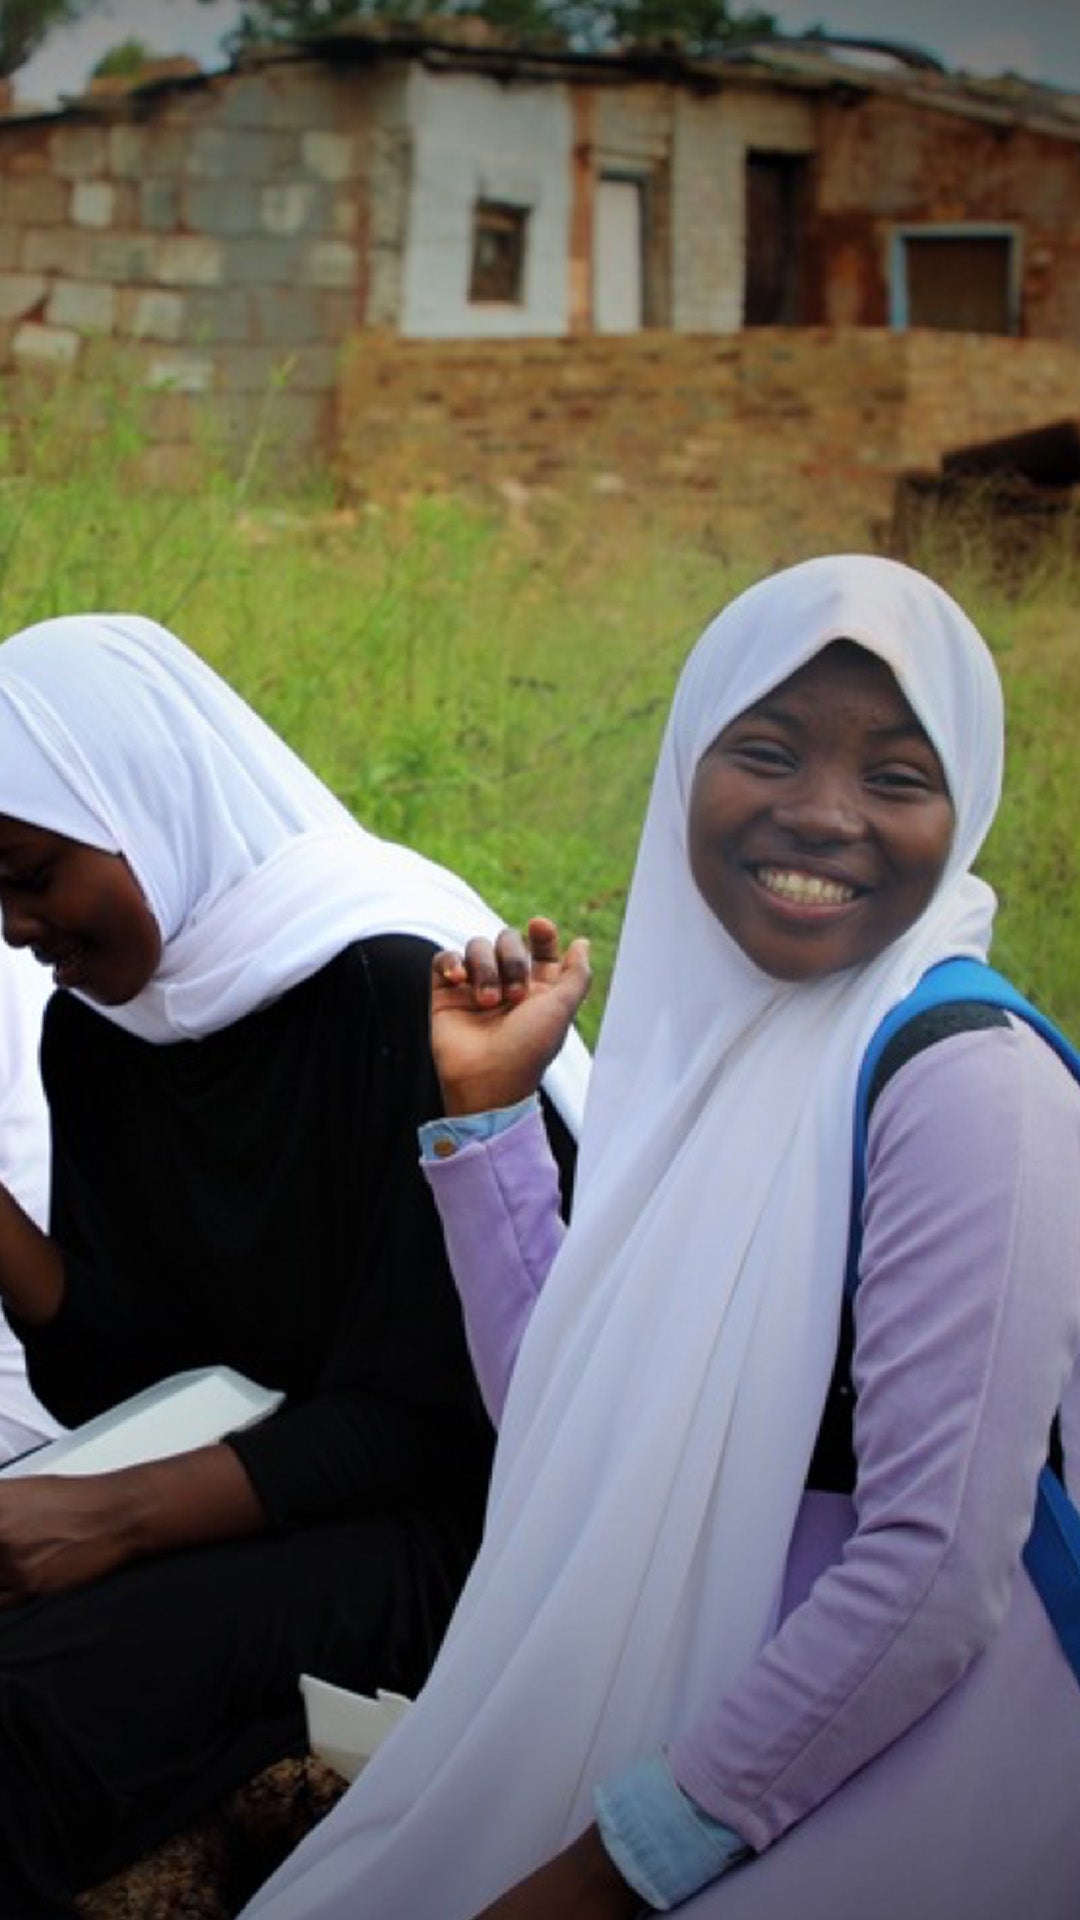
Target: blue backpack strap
1052	1559
1052	1553
950	980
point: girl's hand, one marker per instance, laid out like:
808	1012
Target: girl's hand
64	1530
500	1014
56	1533
581	1883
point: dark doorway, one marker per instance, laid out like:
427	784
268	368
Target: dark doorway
775	203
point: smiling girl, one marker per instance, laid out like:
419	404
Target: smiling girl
708	1657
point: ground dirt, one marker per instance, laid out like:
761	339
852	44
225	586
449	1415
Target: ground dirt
211	1869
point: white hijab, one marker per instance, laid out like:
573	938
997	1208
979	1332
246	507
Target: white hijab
113	733
663	1411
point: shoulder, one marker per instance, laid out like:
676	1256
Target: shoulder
383	978
976	1095
68	1021
395	962
392	956
389	972
376	991
926	1030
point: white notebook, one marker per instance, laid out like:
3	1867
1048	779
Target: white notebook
187	1410
345	1728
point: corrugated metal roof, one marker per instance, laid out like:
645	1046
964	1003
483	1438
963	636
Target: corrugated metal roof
833	64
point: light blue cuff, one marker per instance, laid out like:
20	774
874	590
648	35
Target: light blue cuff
664	1844
441	1138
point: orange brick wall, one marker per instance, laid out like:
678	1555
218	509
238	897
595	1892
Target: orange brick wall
806	428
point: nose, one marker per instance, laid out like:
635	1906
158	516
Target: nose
19	926
821	807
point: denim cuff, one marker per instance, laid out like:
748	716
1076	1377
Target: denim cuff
664	1844
441	1138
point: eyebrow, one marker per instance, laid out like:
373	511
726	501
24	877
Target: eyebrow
903	730
19	854
900	730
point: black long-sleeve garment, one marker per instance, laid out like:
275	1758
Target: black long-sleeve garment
251	1198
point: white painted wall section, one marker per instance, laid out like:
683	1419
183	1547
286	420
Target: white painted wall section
474	139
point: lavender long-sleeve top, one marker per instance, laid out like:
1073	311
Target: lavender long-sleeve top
967	1337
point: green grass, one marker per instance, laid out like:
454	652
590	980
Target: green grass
492	687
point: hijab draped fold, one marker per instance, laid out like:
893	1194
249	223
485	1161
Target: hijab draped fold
113	733
664	1407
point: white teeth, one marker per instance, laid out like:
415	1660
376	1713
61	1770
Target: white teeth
809	888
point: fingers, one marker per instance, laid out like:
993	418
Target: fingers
513	962
576	970
543	938
447	969
493	973
488	971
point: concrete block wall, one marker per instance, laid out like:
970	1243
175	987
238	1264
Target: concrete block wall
706	263
215	233
632	127
802	431
390	172
712	140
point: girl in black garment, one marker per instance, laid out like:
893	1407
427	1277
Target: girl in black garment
235	1063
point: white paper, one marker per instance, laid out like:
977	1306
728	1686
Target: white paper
188	1410
345	1728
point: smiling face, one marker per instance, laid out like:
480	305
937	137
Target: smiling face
820	821
81	911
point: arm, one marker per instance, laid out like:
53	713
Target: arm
968	1327
106	1333
498	1201
392	1417
31	1267
579	1884
31	1272
498	1017
58	1532
345	1298
25	988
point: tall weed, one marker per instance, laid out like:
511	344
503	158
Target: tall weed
491	686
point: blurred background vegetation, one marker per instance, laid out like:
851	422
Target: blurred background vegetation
490	683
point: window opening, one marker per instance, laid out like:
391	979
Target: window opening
498	251
962	281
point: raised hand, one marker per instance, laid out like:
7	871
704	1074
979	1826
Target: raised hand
500	1013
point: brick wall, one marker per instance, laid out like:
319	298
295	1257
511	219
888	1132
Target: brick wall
888	162
805	430
210	231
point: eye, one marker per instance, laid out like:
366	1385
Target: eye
761	755
904	777
31	880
